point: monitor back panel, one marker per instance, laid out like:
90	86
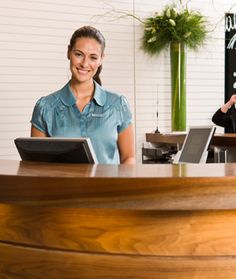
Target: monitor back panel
196	143
54	150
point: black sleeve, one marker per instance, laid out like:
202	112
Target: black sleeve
223	119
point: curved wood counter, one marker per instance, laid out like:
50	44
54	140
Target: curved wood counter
108	221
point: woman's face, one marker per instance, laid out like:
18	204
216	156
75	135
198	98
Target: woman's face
85	58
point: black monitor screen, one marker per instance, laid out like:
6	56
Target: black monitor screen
64	150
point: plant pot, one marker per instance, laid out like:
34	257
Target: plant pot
178	86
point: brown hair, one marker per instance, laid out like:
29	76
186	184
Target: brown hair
89	32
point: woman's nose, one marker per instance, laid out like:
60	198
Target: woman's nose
84	61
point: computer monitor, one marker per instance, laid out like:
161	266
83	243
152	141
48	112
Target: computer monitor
195	146
62	150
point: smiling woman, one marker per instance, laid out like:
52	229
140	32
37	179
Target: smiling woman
83	108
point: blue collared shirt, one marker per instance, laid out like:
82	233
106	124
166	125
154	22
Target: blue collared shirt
106	115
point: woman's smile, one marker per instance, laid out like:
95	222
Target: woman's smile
82	71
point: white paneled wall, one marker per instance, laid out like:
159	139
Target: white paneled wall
34	35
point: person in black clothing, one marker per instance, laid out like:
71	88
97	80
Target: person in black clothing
226	116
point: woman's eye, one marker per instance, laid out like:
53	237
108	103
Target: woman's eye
78	54
94	58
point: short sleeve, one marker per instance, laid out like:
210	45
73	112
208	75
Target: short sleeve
125	114
38	117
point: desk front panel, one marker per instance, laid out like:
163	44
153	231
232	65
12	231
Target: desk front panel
85	221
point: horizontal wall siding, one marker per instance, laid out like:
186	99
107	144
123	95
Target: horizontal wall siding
205	74
33	42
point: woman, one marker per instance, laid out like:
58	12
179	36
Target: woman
83	108
226	116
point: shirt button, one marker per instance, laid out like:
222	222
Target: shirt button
82	126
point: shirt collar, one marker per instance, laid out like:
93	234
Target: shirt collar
68	98
99	94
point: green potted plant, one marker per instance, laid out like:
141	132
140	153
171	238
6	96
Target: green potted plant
176	28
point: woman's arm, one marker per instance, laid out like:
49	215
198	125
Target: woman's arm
126	146
36	133
223	116
223	119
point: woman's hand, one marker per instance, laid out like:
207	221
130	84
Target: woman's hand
232	99
229	104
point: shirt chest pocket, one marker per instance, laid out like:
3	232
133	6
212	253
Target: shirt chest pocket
101	120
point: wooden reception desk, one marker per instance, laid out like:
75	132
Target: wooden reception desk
104	221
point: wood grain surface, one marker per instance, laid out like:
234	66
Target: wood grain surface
160	187
87	221
159	233
22	262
